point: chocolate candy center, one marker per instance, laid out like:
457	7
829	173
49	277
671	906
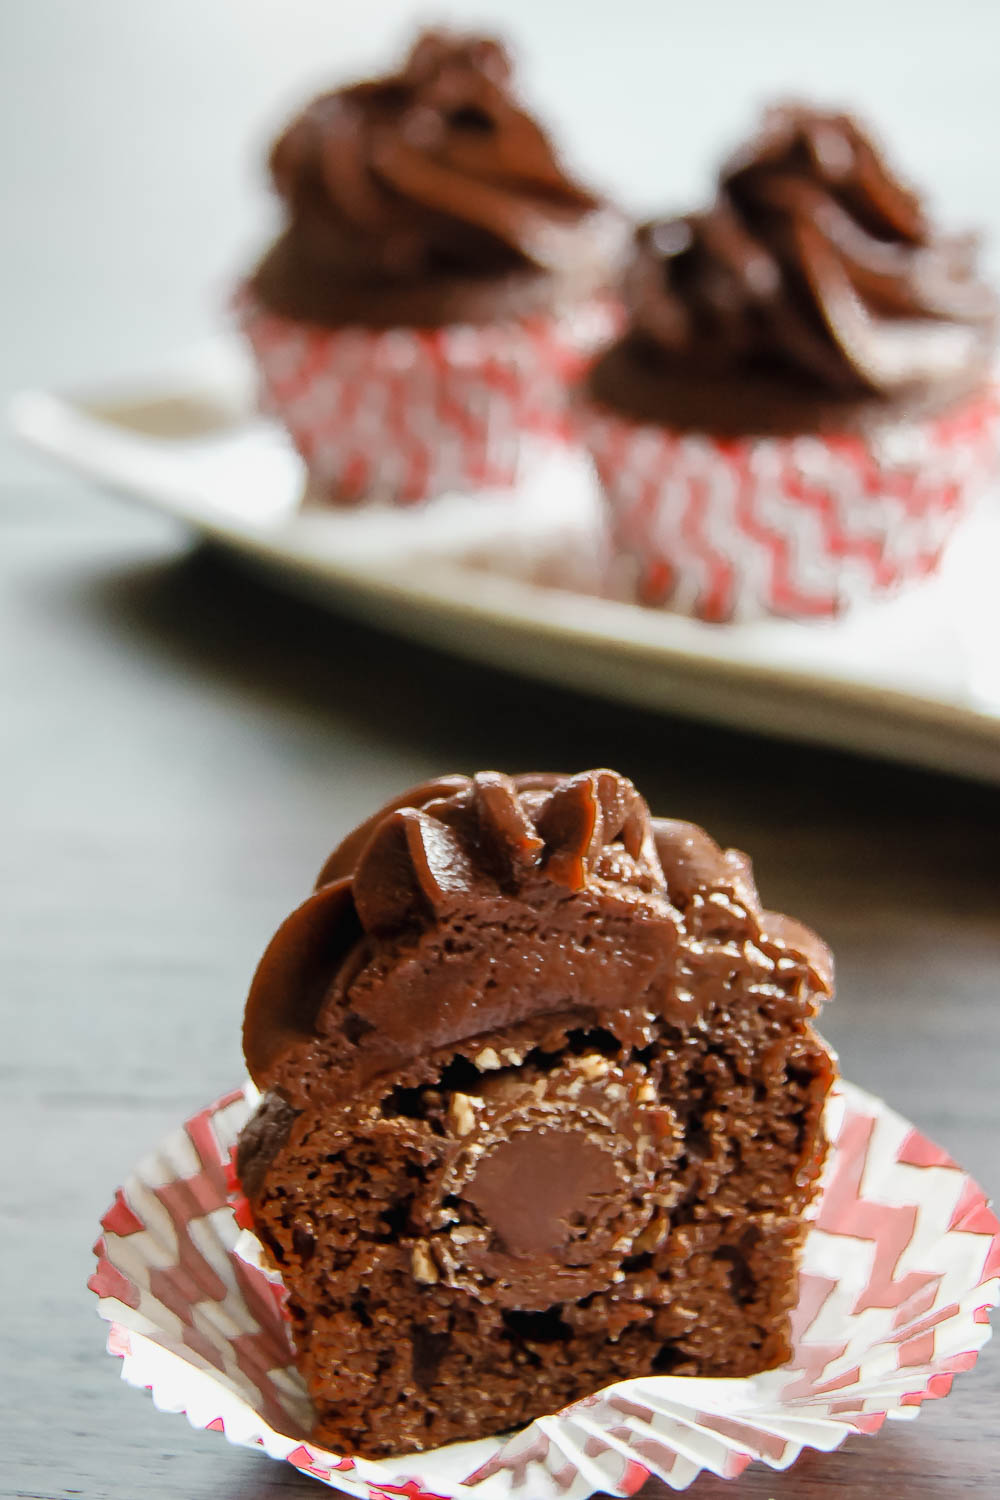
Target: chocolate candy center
541	1190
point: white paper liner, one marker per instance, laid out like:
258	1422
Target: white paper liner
899	1272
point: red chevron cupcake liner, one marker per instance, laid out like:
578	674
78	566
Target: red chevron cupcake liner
900	1269
795	526
405	414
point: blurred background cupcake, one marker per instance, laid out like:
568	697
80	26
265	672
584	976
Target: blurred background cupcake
439	280
800	410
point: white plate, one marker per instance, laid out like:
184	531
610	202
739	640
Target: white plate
503	579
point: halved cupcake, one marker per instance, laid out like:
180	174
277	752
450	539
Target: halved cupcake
542	1110
439	280
800	409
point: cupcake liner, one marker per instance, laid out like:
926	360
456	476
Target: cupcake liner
796	526
899	1271
404	414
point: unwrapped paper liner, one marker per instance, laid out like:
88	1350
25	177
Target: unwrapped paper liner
805	526
405	414
899	1272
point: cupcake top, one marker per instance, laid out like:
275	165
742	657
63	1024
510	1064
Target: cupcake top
528	906
814	291
429	196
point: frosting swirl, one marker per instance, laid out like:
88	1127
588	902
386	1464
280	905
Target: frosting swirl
814	261
435	169
475	904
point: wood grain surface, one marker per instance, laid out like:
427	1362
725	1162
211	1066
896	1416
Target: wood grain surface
182	746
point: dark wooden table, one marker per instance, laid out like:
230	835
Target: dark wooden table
181	747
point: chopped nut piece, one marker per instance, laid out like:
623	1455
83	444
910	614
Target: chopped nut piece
487	1059
464	1233
424	1268
652	1237
461	1115
663	1121
593	1066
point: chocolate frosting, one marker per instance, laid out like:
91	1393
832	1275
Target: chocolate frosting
813	267
482	904
408	194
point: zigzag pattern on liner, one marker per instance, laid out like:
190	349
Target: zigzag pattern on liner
796	526
417	412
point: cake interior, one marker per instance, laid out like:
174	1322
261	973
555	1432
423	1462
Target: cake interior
423	1312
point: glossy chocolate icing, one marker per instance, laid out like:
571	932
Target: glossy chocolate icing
813	294
429	196
477	904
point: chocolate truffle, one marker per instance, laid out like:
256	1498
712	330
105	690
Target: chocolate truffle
542	1109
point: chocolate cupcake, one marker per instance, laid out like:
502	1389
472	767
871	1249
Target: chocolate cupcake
801	409
439	279
542	1109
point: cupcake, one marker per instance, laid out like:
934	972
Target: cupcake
439	279
800	409
542	1110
